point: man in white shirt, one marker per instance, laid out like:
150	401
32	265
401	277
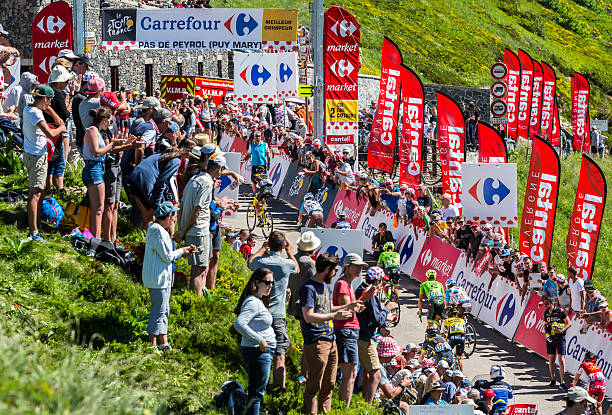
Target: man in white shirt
576	286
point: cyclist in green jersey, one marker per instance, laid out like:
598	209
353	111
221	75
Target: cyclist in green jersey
389	260
432	291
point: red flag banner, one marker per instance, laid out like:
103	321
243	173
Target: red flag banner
583	234
540	204
341	39
536	100
555	137
580	113
412	128
384	125
512	80
491	146
51	32
524	106
451	146
548	101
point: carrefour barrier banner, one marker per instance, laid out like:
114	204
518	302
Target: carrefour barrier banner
228	186
451	146
475	286
409	247
585	223
536	100
245	171
346	201
540	203
439	256
339	242
411	136
254	77
504	310
198	28
286	74
279	165
530	330
370	225
548	101
512	80
384	125
524	106
580	113
489	193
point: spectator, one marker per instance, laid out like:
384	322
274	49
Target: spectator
254	323
450	388
463	233
372	318
95	88
282	269
549	288
606	317
472	116
347	331
246	248
344	173
242	237
157	274
424	199
259	152
448	209
438	227
475	240
319	346
591	312
435	377
485	404
315	169
576	401
318	150
395	387
36	132
564	296
405	203
380	239
28	83
411	351
389	195
306	245
78	98
576	288
435	395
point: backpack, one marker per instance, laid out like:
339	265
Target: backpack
232	396
108	253
52	211
75	216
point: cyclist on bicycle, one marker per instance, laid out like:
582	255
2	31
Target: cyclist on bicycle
389	261
432	291
457	296
597	381
263	190
341	223
313	211
454	328
438	346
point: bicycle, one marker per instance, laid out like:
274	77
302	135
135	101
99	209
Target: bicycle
470	337
259	215
390	294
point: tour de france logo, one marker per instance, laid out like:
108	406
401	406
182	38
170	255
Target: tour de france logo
120	24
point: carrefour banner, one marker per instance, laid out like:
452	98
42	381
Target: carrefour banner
198	28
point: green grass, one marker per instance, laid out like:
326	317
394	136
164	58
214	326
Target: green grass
570	171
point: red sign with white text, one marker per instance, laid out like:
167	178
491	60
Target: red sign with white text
580	113
384	125
585	223
524	107
451	146
491	146
216	89
337	139
346	201
522	409
549	90
536	100
412	128
51	32
530	331
512	80
439	256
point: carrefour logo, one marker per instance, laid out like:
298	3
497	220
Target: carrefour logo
275	173
406	248
284	72
530	319
255	75
487	193
241	24
505	310
339	252
426	258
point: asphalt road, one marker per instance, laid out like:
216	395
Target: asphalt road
526	371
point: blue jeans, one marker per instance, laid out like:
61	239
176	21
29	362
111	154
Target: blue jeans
258	368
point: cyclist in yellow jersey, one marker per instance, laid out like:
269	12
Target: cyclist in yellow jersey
432	291
454	329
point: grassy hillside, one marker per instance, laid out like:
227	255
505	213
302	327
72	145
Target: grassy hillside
570	171
455	41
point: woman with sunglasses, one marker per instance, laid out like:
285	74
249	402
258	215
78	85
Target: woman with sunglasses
254	323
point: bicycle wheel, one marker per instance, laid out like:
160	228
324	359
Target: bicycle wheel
267	225
251	218
395	299
470	339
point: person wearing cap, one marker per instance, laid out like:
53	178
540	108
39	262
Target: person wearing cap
259	153
95	88
435	377
577	401
347	331
370	320
411	351
282	269
576	287
36	131
605	322
563	292
307	244
435	395
28	82
157	272
453	385
318	150
392	386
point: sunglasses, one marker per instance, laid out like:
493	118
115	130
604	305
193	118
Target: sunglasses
268	282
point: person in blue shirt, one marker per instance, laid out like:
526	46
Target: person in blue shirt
389	195
435	395
503	390
549	287
259	153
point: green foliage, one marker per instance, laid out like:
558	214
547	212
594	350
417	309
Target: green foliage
14	245
9	158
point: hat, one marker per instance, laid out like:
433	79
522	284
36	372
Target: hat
95	85
316	142
89	75
400	375
151	102
163	115
387	347
43	91
578	394
195	152
472	224
208	149
498	245
561	278
2	31
505	253
202	139
164	209
448	373
309	242
436	386
409	347
83	59
354	259
67	53
428	362
466	383
218	160
603	304
403	186
109	99
462	395
458	374
60	74
413	363
435	216
588	285
488	393
444	364
487	226
173	127
411	191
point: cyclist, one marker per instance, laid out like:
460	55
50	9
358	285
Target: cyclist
313	211
597	381
503	390
454	328
438	345
432	291
389	261
341	223
263	190
456	295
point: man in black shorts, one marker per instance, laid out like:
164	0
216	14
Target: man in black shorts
557	322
